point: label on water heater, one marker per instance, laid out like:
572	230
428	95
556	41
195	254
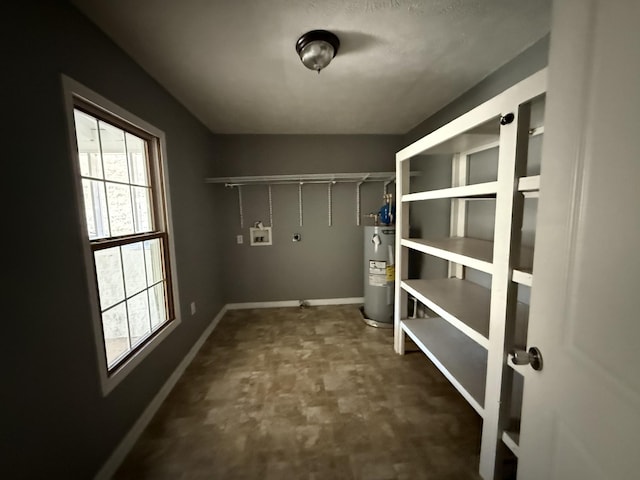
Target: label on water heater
391	273
377	273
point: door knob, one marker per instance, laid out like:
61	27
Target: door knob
532	357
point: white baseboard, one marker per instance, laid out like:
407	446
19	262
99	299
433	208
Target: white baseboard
296	303
124	447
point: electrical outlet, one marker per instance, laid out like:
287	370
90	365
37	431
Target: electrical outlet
239	239
193	308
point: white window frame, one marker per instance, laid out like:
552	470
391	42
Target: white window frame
73	91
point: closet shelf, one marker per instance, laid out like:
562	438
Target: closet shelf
461	360
464	304
448	138
523	276
529	184
469	252
303	178
480	190
473	253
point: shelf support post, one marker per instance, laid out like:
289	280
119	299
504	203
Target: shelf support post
402	257
459	178
512	157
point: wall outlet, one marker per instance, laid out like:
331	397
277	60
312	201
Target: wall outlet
239	239
193	308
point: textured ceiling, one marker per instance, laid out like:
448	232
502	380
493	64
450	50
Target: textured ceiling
233	63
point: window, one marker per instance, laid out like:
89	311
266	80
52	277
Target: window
125	224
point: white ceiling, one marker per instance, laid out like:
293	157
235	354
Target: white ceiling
233	62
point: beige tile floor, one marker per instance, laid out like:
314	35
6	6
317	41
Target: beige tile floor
312	393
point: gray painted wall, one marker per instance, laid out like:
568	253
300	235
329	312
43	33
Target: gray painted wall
328	262
55	423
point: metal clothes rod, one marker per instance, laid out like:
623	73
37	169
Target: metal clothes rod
304	178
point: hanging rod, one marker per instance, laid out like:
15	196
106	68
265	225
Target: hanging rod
306	178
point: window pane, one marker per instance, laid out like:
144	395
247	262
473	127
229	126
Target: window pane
109	273
90	165
142	209
113	153
120	215
116	333
88	145
95	209
133	263
138	167
138	308
157	305
153	259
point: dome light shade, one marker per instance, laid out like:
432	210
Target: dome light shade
317	48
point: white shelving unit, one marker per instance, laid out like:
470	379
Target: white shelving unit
475	324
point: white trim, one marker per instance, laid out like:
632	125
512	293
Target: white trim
295	303
126	444
522	277
461	191
71	89
527	184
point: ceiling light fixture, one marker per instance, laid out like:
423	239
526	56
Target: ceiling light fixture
317	48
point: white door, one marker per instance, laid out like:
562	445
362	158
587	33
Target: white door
581	413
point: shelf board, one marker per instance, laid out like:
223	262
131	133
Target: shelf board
473	140
512	440
461	360
523	276
529	184
479	190
478	135
470	252
464	304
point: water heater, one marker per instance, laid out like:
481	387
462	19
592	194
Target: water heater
379	274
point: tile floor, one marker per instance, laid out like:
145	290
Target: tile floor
313	393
